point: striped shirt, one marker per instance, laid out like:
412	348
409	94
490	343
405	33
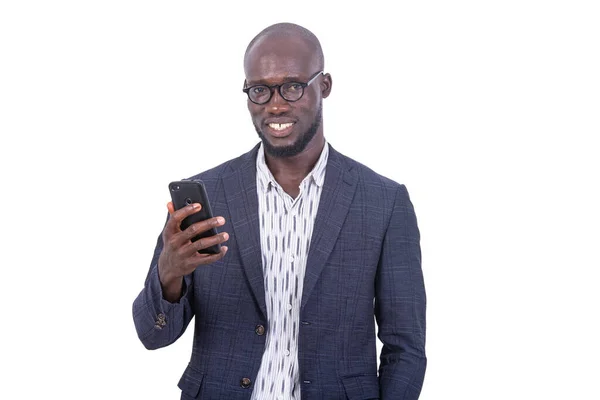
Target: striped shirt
286	226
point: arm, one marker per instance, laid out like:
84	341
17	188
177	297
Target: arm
400	305
159	322
163	309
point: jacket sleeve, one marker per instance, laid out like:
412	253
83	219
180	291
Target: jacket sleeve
400	305
158	322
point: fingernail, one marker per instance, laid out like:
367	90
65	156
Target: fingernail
225	236
221	220
196	206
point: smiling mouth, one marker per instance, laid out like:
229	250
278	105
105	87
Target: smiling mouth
280	130
281	127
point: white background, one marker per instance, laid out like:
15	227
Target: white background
487	111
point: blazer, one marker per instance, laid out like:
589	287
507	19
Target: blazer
364	263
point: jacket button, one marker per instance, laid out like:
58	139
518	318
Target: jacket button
260	330
246	382
160	321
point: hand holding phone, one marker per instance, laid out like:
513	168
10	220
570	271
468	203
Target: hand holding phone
190	237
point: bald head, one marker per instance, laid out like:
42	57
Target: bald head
287	35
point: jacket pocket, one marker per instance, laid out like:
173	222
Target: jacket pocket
361	387
190	382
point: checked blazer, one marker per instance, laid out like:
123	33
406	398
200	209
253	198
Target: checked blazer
364	264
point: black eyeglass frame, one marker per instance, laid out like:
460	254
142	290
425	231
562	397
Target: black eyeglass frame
302	84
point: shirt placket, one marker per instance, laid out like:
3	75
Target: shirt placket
291	262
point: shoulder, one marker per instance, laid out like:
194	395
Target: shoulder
366	177
374	190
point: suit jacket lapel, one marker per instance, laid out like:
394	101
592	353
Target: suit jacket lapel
338	191
242	200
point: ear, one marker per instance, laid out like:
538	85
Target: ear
325	85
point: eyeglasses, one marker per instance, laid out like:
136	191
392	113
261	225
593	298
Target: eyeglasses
290	91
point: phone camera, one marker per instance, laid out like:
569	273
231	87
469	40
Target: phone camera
188	201
175	187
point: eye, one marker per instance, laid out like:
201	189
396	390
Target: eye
294	87
258	89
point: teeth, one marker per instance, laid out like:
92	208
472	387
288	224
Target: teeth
280	127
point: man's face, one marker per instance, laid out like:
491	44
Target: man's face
285	127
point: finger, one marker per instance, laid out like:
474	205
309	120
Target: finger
201	227
206	259
175	221
205	243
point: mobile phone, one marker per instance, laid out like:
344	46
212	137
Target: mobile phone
186	192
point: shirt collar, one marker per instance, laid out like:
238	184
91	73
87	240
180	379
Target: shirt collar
266	179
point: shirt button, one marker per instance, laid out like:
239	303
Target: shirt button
290	307
287	352
260	330
292	259
245	383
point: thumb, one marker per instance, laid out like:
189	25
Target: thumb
170	207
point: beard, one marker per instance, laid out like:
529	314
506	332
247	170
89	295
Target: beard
299	145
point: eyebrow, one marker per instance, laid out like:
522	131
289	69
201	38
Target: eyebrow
264	82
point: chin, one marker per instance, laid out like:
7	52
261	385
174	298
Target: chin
282	150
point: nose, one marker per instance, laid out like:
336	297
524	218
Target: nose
277	104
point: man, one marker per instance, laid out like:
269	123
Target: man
317	245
